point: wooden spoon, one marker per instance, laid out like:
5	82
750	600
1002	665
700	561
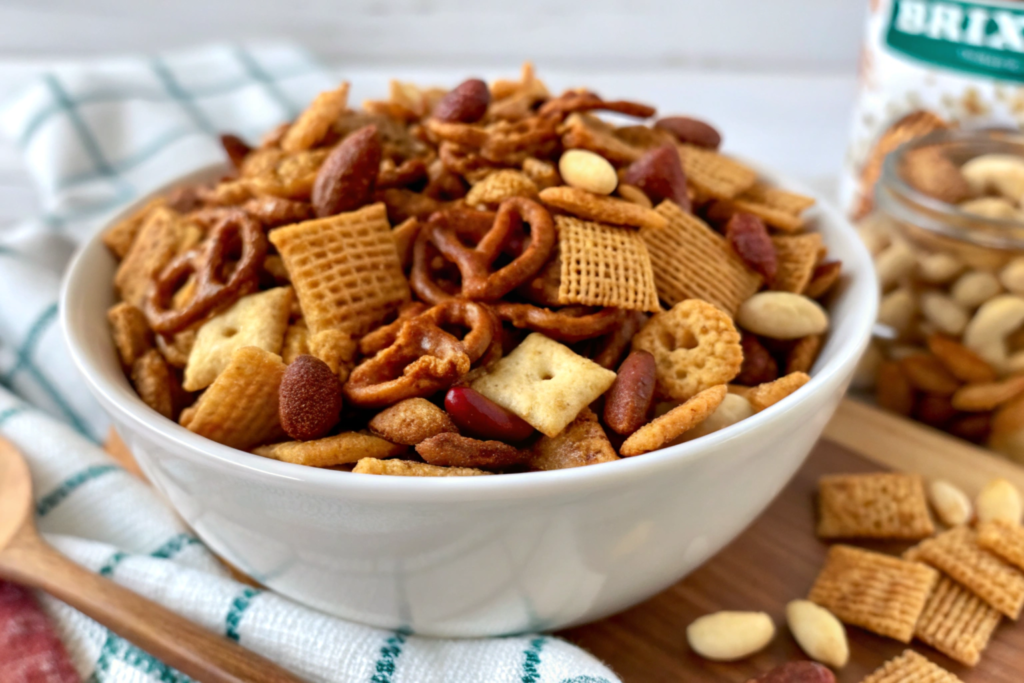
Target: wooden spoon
27	559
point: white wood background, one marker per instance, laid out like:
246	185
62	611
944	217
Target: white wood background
777	75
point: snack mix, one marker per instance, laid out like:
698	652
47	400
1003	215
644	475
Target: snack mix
452	283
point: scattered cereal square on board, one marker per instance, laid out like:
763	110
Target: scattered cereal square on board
911	667
956	622
879	505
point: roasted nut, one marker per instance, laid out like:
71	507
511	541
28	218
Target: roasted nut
952	505
628	401
989	395
1012	276
729	636
929	170
875	233
346	179
659	173
928	374
987	331
897	309
479	416
944	313
782	315
818	632
999	500
961	362
411	421
938	268
748	237
587	171
895	263
974	288
309	399
691	131
465	103
453	450
797	672
993	207
999	173
731	410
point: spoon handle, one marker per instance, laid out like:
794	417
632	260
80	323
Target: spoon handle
178	642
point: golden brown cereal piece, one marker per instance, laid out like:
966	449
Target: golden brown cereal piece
796	255
780	209
601	208
329	451
499	186
409	468
964	364
345	269
273	211
314	123
336	348
825	277
989	395
582	443
911	667
543	174
804	352
880	593
120	237
296	341
162	236
1003	538
291	177
255	320
131	332
714	174
695	345
692	261
665	429
956	622
545	383
881	505
178	348
240	408
604	266
405	235
154	382
584	131
411	421
957	554
768	394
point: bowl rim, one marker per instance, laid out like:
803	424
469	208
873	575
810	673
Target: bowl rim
117	396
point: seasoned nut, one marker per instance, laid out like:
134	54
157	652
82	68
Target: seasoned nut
465	103
691	131
628	401
481	417
974	288
452	450
411	421
950	503
346	179
929	170
945	314
309	398
875	233
1012	276
892	391
987	331
748	237
895	263
999	173
1000	500
588	171
236	149
729	636
818	632
782	315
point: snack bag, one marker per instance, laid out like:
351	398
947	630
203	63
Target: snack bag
962	61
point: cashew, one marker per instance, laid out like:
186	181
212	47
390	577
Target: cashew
987	331
731	410
1000	500
939	267
588	171
867	368
999	173
1012	276
782	315
974	288
894	264
875	233
819	633
729	636
992	207
897	309
951	504
947	315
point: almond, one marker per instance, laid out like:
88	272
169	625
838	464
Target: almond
690	131
729	636
950	503
310	398
465	103
347	178
999	500
819	633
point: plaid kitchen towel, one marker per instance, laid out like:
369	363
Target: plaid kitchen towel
94	137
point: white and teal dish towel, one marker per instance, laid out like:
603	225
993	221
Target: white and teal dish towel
94	137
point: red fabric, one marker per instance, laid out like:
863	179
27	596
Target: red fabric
30	651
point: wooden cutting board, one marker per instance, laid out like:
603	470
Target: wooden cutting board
778	557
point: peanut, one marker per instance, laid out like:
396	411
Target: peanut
588	171
939	267
782	315
974	288
729	636
999	500
818	633
894	264
999	173
897	309
951	504
1012	276
947	315
986	333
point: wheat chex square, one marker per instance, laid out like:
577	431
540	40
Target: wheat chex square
879	505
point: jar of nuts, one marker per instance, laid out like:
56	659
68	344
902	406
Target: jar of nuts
947	234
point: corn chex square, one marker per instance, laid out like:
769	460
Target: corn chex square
604	266
345	269
957	554
780	209
796	255
956	622
911	667
1003	538
692	261
880	593
163	235
714	174
878	505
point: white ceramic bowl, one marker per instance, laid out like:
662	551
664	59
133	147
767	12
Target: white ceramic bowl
476	556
